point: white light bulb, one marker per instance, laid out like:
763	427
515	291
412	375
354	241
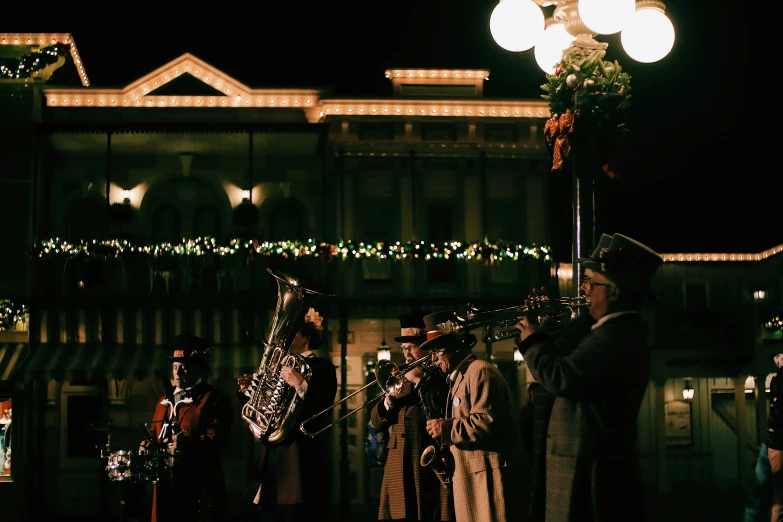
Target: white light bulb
648	36
549	48
606	16
516	25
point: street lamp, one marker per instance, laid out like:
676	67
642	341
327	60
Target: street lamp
593	91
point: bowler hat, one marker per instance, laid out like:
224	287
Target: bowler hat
626	262
412	328
443	331
189	348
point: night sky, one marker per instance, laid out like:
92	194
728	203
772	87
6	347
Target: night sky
698	171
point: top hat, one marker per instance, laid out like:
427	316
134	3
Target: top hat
412	328
189	348
625	262
442	329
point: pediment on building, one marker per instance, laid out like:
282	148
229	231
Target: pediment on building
30	47
187	82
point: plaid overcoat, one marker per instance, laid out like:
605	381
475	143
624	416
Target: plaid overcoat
592	467
409	490
486	444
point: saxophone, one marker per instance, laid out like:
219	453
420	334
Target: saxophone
272	409
433	394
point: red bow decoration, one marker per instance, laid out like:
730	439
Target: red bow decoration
556	132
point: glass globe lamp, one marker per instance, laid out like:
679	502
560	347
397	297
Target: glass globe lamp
516	25
648	36
606	16
549	48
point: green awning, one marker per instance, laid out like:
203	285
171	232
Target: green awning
12	357
94	361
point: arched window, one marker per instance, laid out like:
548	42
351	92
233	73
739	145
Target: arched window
207	222
166	225
287	222
86	220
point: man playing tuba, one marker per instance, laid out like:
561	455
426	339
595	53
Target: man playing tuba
287	483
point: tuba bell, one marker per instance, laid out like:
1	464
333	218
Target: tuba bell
273	405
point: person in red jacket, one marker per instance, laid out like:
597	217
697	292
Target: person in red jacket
193	422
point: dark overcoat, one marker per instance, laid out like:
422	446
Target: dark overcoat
592	466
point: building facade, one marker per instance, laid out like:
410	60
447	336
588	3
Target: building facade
155	209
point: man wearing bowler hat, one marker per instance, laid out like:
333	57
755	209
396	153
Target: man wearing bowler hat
193	422
592	467
479	428
409	491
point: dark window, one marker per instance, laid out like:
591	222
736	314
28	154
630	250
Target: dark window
287	222
83	412
86	220
166	227
696	298
502	133
376	131
375	224
440	228
207	222
439	132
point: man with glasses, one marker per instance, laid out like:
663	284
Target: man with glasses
480	426
592	467
409	491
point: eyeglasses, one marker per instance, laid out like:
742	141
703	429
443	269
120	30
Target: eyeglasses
408	348
437	353
592	284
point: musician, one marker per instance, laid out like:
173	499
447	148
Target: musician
193	422
291	479
591	462
409	491
480	427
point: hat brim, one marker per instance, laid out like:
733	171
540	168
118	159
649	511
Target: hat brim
439	341
414	339
180	359
647	293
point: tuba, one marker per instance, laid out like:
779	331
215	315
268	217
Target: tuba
273	405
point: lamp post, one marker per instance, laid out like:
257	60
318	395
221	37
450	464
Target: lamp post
565	45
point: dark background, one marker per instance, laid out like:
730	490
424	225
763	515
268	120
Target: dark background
698	169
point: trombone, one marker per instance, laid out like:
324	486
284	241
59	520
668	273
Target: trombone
388	376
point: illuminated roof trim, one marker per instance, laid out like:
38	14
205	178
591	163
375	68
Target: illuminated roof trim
721	257
44	39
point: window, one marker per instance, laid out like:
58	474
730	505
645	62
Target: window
83	412
503	133
5	439
376	223
439	132
86	220
696	298
207	222
376	131
440	229
166	226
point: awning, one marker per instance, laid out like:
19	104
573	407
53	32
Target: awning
94	361
12	356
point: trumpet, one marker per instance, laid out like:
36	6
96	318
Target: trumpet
388	376
499	324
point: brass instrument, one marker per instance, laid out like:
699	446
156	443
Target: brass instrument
499	324
272	409
388	376
439	458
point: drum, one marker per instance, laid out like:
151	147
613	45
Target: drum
132	466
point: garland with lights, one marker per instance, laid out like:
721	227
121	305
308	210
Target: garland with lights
26	66
773	324
11	313
486	251
588	99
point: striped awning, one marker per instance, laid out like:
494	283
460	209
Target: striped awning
12	356
94	361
